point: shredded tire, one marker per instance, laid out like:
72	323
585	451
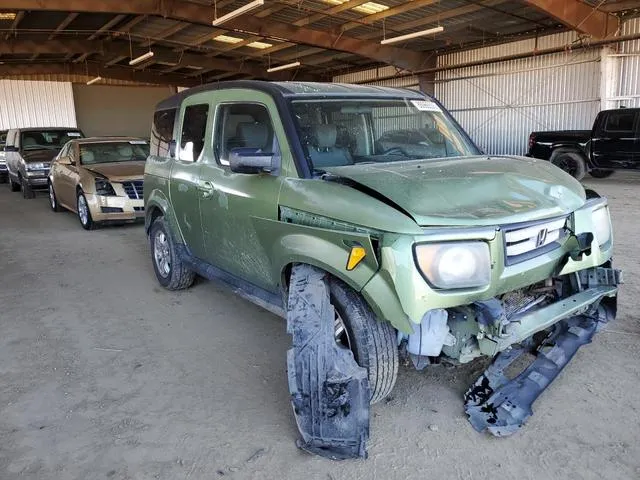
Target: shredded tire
373	342
180	277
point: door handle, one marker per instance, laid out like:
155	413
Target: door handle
207	189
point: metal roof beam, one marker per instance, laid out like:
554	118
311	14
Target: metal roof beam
121	50
202	14
579	16
93	70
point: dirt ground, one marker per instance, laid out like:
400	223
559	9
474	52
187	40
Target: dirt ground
104	375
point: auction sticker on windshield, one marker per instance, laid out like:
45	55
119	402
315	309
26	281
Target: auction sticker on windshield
426	106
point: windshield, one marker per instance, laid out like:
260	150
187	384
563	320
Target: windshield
47	139
111	152
344	131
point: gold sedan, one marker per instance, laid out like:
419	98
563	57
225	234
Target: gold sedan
100	179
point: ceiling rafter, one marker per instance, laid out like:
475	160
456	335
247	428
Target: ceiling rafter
579	16
92	70
14	24
202	14
120	49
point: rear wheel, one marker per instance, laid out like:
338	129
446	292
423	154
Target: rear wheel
571	162
171	271
599	173
373	342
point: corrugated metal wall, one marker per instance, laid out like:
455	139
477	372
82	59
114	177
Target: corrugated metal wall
629	81
36	104
499	104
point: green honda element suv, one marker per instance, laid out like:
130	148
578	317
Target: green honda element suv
369	220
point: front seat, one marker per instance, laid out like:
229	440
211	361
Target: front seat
253	136
323	150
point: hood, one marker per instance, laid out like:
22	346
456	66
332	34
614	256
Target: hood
35	156
118	171
476	190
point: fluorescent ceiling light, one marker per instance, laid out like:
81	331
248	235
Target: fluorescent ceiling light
7	16
368	7
227	39
283	67
237	12
409	36
95	80
260	45
141	58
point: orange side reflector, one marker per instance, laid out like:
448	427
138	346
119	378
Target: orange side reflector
355	257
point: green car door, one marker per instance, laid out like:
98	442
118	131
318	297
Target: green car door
236	202
185	190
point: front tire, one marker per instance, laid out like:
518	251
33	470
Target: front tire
84	214
27	191
373	342
571	162
171	271
15	187
53	200
599	173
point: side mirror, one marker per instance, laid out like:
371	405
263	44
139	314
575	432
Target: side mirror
10	148
250	162
172	149
65	161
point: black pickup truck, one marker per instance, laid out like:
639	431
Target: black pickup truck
612	144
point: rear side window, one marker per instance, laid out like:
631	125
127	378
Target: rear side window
620	122
245	126
162	132
194	127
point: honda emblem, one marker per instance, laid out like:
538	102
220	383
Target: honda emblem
541	238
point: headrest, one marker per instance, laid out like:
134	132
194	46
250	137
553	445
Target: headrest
29	141
325	135
87	156
125	150
253	135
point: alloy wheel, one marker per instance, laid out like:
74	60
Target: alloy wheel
83	210
161	254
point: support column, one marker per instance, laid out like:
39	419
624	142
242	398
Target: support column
427	81
609	78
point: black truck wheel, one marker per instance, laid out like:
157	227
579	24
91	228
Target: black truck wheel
599	173
571	162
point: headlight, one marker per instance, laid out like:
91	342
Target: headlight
455	264
35	166
602	225
103	187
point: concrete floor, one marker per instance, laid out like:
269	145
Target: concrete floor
104	375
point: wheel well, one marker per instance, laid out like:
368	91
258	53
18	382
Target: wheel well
155	213
560	150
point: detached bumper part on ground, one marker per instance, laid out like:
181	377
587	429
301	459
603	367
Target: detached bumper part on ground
501	405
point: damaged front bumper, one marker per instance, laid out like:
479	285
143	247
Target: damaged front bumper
530	323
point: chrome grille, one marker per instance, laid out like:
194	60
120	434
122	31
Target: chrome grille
133	189
529	241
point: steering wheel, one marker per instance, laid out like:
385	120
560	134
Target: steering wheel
395	150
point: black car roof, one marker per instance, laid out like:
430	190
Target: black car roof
294	89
